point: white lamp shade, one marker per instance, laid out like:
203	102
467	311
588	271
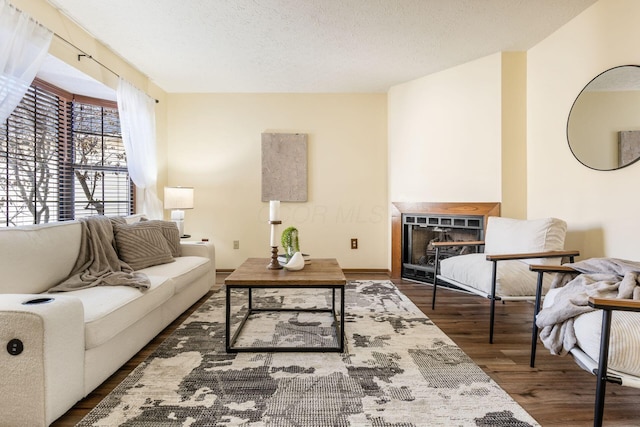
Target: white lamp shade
178	197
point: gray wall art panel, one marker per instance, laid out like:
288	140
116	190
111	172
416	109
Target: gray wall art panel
284	167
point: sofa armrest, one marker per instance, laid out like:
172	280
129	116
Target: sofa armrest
42	357
203	249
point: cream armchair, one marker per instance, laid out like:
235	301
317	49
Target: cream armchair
604	344
511	244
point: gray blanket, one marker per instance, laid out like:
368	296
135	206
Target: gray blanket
98	263
597	277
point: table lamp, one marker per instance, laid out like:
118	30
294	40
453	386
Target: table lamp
177	199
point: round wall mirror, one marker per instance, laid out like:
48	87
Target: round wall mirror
603	129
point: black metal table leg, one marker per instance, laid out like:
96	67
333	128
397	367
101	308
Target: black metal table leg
228	319
338	326
341	319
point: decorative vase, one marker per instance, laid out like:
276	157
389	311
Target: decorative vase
296	262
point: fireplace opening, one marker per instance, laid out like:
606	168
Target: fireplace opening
419	232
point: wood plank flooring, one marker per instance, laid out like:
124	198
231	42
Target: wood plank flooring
556	392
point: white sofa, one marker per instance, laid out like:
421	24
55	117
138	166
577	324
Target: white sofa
58	347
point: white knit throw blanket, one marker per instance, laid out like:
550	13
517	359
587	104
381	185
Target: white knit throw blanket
98	263
600	278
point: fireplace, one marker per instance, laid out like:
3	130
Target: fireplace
420	231
415	225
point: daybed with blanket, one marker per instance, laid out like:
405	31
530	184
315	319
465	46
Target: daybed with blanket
80	298
577	307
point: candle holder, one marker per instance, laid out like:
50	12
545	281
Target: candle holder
274	264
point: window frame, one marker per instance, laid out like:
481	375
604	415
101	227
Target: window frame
65	171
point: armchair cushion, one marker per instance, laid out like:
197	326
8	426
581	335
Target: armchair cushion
624	339
513	236
513	277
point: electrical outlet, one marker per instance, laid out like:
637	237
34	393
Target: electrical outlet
236	244
354	243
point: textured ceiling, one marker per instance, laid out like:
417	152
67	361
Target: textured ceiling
311	45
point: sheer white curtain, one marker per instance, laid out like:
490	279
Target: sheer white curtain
23	46
138	123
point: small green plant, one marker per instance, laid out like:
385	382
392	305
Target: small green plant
290	242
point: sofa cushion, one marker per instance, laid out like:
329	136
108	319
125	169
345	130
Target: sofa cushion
184	271
108	310
34	258
133	218
141	244
475	271
128	219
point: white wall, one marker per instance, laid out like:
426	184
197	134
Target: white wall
215	146
445	135
601	208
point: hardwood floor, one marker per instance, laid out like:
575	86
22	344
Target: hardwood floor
556	392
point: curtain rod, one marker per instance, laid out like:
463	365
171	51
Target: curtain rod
84	54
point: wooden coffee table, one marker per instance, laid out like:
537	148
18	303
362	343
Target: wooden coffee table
254	274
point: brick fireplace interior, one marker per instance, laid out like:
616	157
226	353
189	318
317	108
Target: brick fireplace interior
414	226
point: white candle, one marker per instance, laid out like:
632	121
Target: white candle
274	242
274	210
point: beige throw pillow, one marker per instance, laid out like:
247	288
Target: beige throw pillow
171	234
169	230
141	244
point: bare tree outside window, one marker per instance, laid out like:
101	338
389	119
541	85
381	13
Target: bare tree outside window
98	152
29	184
32	183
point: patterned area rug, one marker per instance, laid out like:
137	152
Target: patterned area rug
398	369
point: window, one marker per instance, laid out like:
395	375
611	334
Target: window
101	181
62	157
